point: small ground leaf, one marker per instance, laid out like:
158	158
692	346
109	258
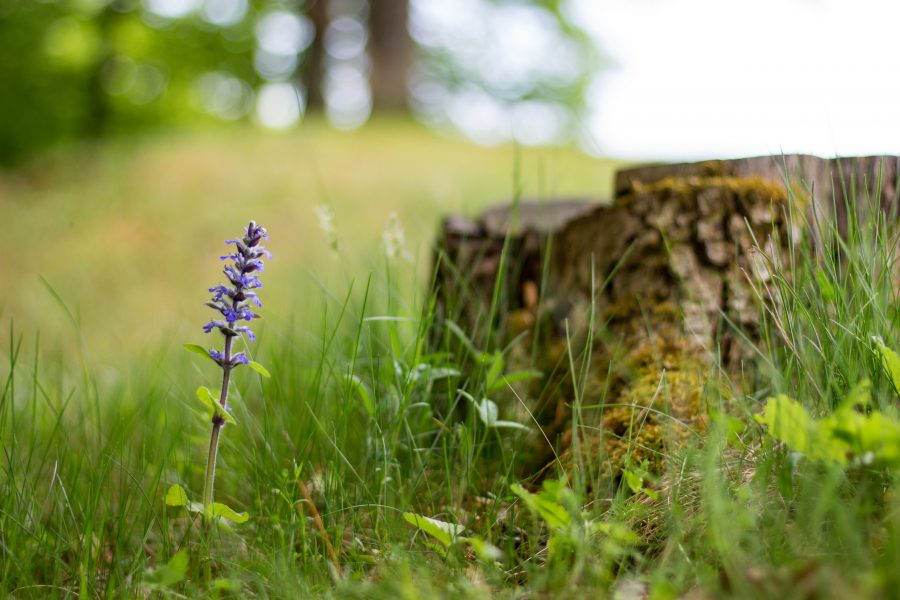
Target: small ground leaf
176	496
445	533
551	511
217	509
171	573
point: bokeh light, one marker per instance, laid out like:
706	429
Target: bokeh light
284	33
346	88
224	95
172	9
488	68
224	13
279	105
274	67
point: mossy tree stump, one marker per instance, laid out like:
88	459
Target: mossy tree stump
670	270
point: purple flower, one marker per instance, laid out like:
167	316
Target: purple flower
214	325
232	299
238	359
241	314
246	330
253	297
220	290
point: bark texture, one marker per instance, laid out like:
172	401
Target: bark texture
671	266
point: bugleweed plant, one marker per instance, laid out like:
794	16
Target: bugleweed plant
232	301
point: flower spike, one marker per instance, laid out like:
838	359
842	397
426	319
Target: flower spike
231	301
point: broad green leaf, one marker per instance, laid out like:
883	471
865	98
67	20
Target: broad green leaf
889	361
634	480
854	434
879	436
170	573
206	397
176	496
788	422
198	349
869	438
217	509
357	384
552	512
445	533
177	566
259	369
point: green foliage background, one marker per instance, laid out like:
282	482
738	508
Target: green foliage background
68	68
88	69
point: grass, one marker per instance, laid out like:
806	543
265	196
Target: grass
124	231
358	436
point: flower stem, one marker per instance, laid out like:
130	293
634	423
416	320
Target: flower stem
217	423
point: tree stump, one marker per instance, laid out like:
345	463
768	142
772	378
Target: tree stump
670	270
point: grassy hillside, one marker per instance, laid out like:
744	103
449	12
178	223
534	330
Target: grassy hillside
127	233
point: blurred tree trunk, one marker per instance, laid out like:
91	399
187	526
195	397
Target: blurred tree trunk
390	48
314	71
98	108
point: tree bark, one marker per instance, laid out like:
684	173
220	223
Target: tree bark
390	48
314	68
678	233
660	284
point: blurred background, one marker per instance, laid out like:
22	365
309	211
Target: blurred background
89	68
135	135
631	78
